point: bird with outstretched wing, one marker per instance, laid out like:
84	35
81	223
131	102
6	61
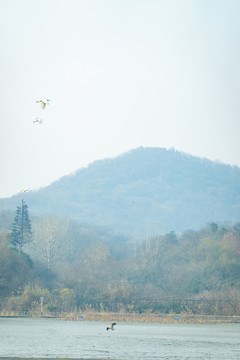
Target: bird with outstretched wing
111	327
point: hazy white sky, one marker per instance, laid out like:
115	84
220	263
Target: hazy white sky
120	74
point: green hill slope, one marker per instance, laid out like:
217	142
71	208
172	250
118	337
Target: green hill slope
142	192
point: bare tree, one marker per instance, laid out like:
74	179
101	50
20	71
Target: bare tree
49	240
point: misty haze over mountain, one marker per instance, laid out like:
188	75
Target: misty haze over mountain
143	192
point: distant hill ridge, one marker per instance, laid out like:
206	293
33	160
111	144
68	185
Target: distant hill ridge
145	191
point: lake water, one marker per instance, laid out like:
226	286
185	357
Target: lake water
47	338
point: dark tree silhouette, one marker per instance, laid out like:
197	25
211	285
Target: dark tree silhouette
21	228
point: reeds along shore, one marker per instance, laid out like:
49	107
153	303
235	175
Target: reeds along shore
154	318
127	317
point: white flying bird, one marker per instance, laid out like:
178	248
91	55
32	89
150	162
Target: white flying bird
37	120
43	102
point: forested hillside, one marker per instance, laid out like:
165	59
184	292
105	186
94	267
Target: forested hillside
143	192
195	273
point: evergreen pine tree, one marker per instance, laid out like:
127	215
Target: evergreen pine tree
21	228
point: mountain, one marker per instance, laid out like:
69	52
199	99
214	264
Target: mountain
145	191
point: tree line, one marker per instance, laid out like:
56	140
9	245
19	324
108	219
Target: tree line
76	268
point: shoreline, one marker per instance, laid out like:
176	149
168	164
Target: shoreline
127	317
160	318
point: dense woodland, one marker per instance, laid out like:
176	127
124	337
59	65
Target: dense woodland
78	268
112	237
